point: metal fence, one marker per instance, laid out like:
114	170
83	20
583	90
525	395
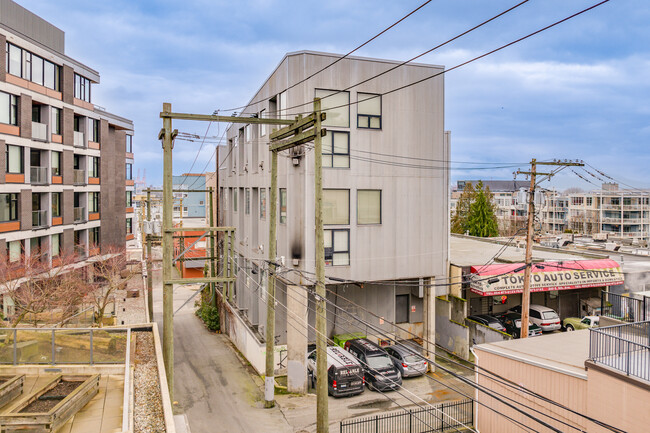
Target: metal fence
453	415
623	347
62	346
625	308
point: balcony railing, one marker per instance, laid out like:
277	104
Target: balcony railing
38	176
625	348
39	218
79	177
39	131
79	214
79	139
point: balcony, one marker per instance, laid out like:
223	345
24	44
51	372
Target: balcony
39	131
79	177
38	176
611	206
39	219
623	348
80	214
79	139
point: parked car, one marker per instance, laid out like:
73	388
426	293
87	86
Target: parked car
574	323
344	373
544	317
407	360
512	323
487	320
379	372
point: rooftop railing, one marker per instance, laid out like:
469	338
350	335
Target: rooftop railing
625	348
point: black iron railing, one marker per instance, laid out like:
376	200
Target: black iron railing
453	415
625	348
625	308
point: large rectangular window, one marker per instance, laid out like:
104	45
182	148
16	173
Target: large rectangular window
56	163
31	67
337	247
14	60
263	203
283	205
56	204
81	88
93	236
8	109
129	171
129	144
336	206
129	199
336	149
129	226
55	242
368	111
93	202
15	159
14	250
337	106
369	206
94	130
8	207
93	169
56	121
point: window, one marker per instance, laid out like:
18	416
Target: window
36	113
368	111
234	199
247	207
22	63
56	204
55	242
129	226
93	202
56	121
15	159
14	250
336	206
283	205
129	144
94	166
77	124
263	203
81	88
262	125
129	171
401	308
129	199
282	105
93	236
8	109
589	201
94	123
336	149
8	207
337	106
337	247
368	206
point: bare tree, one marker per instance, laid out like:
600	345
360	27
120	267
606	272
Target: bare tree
110	273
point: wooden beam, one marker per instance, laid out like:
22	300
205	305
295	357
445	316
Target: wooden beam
297	140
228	119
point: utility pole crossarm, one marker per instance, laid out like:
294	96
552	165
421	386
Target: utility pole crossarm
227	119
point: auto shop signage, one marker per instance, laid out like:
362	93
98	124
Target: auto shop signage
493	280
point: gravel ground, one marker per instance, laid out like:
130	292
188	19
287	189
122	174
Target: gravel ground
131	310
148	415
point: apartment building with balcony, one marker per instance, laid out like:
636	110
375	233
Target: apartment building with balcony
65	163
386	224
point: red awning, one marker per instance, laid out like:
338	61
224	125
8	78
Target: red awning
501	279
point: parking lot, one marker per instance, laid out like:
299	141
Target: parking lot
300	411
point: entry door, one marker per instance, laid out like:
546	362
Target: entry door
401	309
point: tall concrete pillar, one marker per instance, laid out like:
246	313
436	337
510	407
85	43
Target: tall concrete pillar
429	333
297	339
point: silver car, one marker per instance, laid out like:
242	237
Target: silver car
407	360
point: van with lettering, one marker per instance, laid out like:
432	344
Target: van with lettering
344	373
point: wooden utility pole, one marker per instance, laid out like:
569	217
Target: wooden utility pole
302	130
213	253
149	259
525	296
142	227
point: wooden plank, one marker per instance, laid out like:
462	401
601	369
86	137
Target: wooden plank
11	389
296	140
301	122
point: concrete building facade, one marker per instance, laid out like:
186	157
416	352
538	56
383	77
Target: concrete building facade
386	222
193	204
65	174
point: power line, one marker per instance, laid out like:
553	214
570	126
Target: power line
340	58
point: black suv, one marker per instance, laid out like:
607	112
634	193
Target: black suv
378	368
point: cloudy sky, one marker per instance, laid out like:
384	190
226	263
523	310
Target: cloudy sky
577	91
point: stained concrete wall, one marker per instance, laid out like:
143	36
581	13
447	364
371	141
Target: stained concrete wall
297	339
451	335
479	333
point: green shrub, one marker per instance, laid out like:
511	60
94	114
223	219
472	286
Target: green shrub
209	315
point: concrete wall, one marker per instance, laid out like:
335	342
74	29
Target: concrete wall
479	333
453	336
112	187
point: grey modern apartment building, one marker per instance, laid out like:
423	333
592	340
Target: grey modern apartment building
66	171
385	195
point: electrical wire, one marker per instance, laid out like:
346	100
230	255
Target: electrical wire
340	58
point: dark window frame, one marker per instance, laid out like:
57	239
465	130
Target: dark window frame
129	171
56	207
11	199
381	213
370	116
95	200
22	160
129	143
27	62
333	153
332	250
